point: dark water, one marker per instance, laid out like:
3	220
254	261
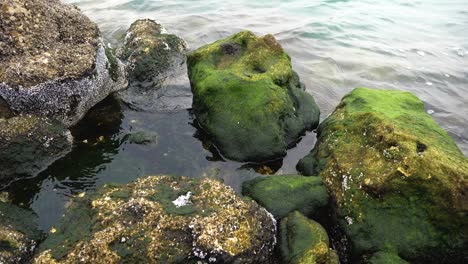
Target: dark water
418	46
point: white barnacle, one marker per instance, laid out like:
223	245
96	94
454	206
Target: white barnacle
182	200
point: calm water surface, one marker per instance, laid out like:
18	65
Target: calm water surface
418	46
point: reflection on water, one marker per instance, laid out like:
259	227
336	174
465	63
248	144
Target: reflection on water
102	153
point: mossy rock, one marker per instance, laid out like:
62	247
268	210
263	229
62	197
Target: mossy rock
399	180
283	194
248	98
28	144
304	241
162	219
18	234
157	68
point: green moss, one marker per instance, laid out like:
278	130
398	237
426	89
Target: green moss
386	258
113	64
281	195
139	223
304	241
399	180
247	96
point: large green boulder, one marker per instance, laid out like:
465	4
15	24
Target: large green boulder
283	194
18	234
398	179
162	219
248	98
304	241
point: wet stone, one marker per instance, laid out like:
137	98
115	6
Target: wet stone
157	69
162	219
29	144
52	60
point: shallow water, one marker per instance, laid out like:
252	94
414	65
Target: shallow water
418	46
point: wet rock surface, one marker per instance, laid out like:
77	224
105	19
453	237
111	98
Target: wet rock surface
18	234
52	60
162	219
283	194
157	69
304	241
398	179
248	98
29	144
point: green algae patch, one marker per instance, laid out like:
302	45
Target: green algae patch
398	179
18	234
161	219
247	96
385	258
283	194
113	64
304	241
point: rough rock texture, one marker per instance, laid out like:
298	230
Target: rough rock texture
18	234
399	180
157	69
52	61
304	241
283	194
248	98
162	219
28	144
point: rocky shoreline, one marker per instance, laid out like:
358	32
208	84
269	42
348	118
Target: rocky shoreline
383	184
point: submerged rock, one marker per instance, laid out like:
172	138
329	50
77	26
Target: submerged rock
283	194
399	180
248	98
29	144
304	241
162	219
157	69
18	234
143	138
52	60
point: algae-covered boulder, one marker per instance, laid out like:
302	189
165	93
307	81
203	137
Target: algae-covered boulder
52	60
29	144
162	219
18	234
283	194
304	241
399	181
248	98
157	68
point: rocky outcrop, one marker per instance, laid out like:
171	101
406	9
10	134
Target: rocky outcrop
157	69
53	62
18	234
283	194
304	241
29	144
248	98
399	180
162	219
